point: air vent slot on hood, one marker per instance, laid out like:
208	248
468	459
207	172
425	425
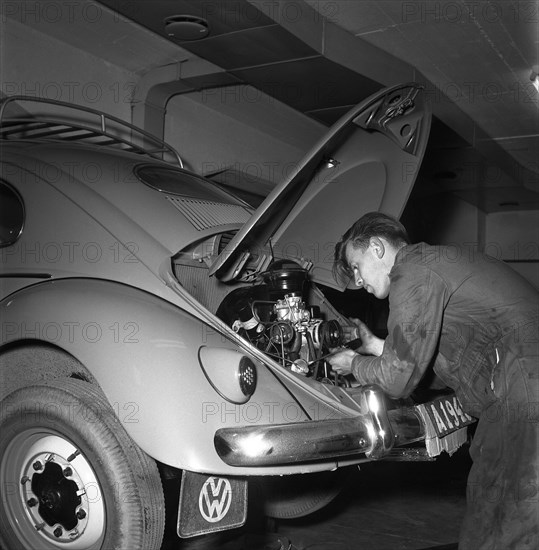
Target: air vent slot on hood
205	214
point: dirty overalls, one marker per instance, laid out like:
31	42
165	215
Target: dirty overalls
476	321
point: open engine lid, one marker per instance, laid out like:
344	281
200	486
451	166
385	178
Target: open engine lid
367	161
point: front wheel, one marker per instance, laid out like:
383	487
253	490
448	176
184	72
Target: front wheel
71	476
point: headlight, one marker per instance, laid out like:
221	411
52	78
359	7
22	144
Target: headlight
232	374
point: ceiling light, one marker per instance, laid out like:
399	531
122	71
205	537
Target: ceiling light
186	27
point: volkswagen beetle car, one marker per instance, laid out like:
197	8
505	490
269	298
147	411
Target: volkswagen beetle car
155	327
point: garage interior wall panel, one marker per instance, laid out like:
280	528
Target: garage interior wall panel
39	65
247	133
514	236
444	219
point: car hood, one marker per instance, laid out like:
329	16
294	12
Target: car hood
367	161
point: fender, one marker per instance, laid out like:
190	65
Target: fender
143	353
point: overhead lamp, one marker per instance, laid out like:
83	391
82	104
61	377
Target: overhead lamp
186	27
534	77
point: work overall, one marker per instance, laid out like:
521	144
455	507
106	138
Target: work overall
476	322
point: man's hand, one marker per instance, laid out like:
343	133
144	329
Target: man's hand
341	361
371	344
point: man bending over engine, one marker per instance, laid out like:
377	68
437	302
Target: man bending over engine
477	322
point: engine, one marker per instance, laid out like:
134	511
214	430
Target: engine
274	316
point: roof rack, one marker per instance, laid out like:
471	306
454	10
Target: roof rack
58	120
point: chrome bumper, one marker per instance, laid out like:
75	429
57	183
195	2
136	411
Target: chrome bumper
371	434
273	445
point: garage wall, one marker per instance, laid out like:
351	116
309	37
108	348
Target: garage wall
514	237
443	219
509	236
239	129
39	65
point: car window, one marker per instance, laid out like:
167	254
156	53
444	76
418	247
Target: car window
179	182
11	214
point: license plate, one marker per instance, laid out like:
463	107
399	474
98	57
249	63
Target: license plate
447	415
446	424
210	503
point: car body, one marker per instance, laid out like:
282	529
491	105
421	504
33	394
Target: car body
155	326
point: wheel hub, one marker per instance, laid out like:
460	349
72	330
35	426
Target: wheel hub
57	495
51	489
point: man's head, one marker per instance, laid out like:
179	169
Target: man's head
367	251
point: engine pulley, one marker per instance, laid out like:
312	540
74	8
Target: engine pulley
327	333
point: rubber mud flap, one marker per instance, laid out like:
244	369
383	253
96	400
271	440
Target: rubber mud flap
210	503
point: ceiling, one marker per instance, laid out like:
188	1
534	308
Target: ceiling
320	57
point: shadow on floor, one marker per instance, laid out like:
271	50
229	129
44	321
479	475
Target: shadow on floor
385	506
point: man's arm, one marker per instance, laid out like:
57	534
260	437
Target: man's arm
417	298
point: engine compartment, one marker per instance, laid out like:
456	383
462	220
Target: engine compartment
274	315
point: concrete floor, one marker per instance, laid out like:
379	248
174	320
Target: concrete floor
386	506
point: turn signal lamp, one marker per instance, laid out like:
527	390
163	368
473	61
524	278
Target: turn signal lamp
232	374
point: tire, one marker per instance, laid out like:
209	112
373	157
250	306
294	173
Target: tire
295	496
72	477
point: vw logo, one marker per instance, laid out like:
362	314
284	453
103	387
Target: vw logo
215	499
